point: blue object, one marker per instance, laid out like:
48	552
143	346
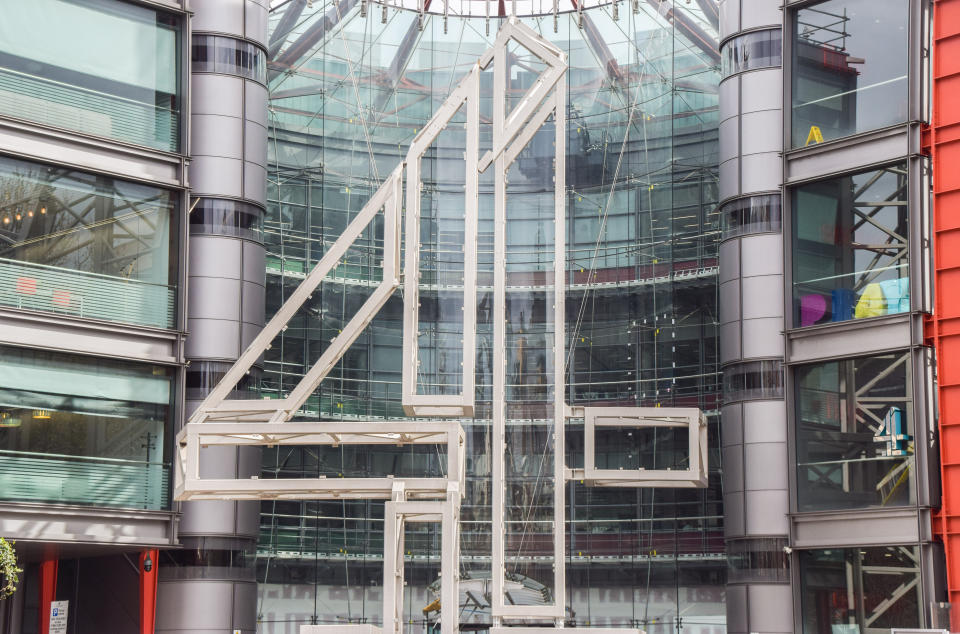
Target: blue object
896	295
842	300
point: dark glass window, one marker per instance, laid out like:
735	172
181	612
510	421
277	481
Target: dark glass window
850	60
82	430
756	214
758	49
219	54
758	559
219	216
99	67
855	433
753	380
851	247
864	589
87	245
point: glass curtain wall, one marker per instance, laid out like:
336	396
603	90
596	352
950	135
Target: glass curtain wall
865	589
82	430
850	60
87	245
99	67
851	247
642	233
855	433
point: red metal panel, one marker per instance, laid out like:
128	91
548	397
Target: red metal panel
148	590
48	591
944	327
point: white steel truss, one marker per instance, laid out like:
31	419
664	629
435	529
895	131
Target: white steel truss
222	421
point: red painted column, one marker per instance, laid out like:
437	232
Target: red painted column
48	591
148	590
944	326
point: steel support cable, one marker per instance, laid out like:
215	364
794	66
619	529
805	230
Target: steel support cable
288	22
613	186
356	90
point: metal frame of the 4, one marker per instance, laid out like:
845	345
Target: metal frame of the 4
220	421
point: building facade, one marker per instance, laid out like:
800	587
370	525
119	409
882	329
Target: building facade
749	231
823	174
94	146
351	87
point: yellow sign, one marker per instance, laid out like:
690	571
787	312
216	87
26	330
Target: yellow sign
814	136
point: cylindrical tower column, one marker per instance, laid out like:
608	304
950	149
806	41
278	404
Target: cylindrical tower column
754	417
211	584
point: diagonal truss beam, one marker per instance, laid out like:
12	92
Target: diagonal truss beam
224	422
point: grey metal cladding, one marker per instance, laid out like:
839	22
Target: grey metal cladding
766	606
764	466
766	512
764	422
765	338
759	13
762	255
733	479
856	528
221	94
730	348
213	256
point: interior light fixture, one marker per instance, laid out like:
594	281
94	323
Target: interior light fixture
41	414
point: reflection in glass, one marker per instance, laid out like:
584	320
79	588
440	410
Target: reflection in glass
758	560
642	232
98	67
749	380
855	433
83	431
757	49
228	55
224	217
850	247
756	214
850	60
859	590
86	245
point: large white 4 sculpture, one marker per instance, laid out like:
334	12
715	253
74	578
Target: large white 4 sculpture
222	421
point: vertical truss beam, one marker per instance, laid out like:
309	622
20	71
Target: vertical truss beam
414	404
510	134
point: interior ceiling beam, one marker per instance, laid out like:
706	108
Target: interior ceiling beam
697	36
711	11
310	38
287	21
600	48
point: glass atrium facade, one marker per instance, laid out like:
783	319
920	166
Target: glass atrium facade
642	234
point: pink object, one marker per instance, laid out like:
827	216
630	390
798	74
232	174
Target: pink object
812	309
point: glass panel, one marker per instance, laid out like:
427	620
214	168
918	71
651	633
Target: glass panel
756	214
753	380
860	590
87	245
850	62
219	216
84	431
758	49
632	448
851	247
642	234
59	67
228	55
855	436
758	560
